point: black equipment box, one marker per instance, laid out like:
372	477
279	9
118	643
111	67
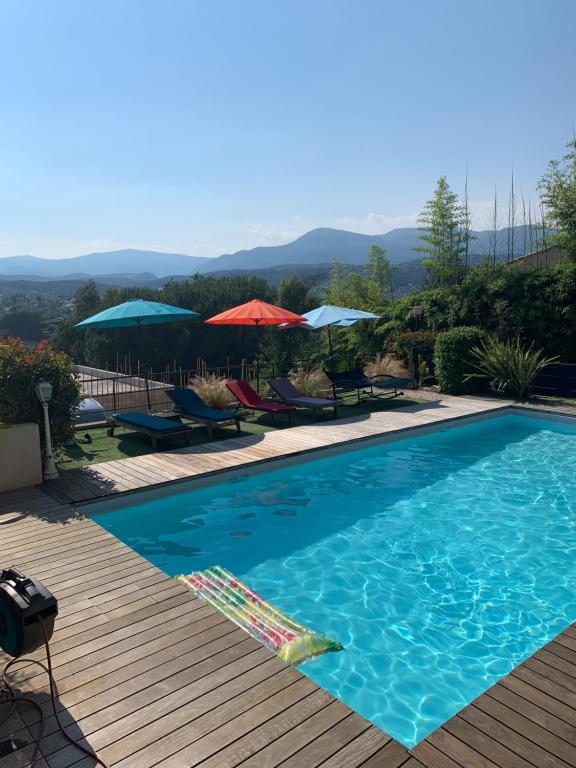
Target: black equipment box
23	602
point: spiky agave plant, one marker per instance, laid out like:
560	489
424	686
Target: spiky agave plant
509	365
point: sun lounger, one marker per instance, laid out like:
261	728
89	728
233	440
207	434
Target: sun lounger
288	393
194	408
356	379
249	398
155	427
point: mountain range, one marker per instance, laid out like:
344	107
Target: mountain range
319	246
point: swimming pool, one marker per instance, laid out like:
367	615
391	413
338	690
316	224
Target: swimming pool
440	561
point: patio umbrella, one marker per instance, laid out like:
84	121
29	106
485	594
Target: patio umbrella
328	315
258	313
135	314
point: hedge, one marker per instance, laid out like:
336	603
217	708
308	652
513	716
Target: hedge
21	367
452	360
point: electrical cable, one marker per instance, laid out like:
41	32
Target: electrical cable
10	697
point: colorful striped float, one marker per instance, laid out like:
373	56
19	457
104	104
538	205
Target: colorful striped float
291	641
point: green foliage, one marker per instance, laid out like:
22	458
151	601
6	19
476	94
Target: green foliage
381	272
558	190
21	368
421	373
451	357
535	304
445	234
24	321
416	350
87	301
294	294
508	364
409	345
369	292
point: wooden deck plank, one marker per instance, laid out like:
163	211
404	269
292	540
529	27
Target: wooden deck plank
330	742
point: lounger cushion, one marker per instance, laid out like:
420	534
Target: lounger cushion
288	392
313	402
249	398
153	423
194	407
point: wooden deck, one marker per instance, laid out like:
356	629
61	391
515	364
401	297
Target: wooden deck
112	477
151	676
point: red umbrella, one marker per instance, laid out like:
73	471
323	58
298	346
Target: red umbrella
255	312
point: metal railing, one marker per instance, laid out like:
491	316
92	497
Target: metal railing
148	390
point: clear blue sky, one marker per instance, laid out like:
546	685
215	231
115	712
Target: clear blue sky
205	126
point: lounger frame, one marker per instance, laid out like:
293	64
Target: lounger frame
154	434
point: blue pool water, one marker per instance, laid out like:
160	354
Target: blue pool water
440	561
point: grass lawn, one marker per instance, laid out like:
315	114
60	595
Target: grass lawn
126	443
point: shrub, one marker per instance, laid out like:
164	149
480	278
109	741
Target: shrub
451	357
21	368
310	383
408	345
416	350
421	373
509	365
213	390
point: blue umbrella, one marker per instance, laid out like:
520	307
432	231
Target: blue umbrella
134	314
328	315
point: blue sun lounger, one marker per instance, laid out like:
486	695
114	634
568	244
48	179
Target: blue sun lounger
155	427
192	407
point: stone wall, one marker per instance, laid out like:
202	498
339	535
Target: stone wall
20	456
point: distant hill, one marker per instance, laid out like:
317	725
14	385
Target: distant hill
111	262
319	246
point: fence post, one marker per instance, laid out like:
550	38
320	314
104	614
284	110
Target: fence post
114	395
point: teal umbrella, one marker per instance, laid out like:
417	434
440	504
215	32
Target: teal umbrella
137	312
134	314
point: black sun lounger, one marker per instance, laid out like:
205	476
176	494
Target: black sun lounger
356	380
155	427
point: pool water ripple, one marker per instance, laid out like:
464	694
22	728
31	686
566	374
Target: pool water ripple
440	562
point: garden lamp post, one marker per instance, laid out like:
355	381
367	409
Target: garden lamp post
44	394
416	312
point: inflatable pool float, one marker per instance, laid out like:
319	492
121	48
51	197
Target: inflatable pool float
291	641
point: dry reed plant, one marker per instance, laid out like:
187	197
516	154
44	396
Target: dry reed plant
213	391
310	383
385	365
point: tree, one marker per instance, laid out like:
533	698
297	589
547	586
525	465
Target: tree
381	271
87	301
558	190
22	321
445	234
294	294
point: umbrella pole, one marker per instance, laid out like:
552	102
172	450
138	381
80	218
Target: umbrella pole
257	357
330	346
147	391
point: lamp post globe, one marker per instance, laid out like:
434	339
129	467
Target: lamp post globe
44	394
